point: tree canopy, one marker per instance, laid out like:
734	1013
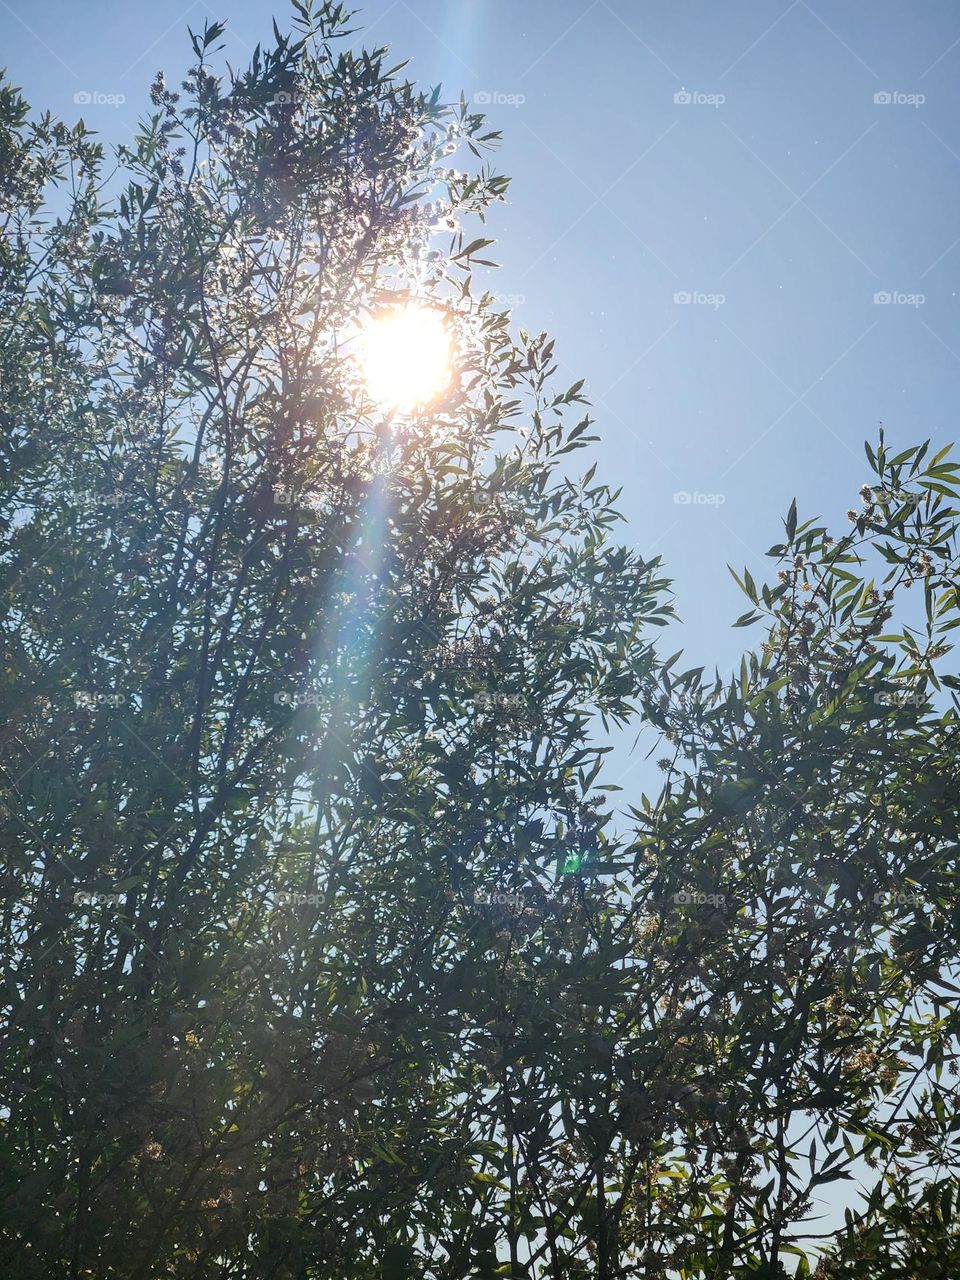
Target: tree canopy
328	946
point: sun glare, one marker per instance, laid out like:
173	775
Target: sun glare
406	357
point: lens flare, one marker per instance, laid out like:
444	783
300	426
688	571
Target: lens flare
406	357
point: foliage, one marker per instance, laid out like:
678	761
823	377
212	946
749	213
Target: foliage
323	954
290	689
816	793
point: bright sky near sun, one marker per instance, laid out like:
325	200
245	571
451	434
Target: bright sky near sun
406	356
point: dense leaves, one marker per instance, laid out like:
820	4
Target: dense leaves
293	693
816	794
324	953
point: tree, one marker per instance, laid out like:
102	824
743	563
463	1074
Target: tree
295	696
804	853
324	953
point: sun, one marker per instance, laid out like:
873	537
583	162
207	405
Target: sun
406	356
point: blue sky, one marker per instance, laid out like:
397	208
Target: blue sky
781	197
